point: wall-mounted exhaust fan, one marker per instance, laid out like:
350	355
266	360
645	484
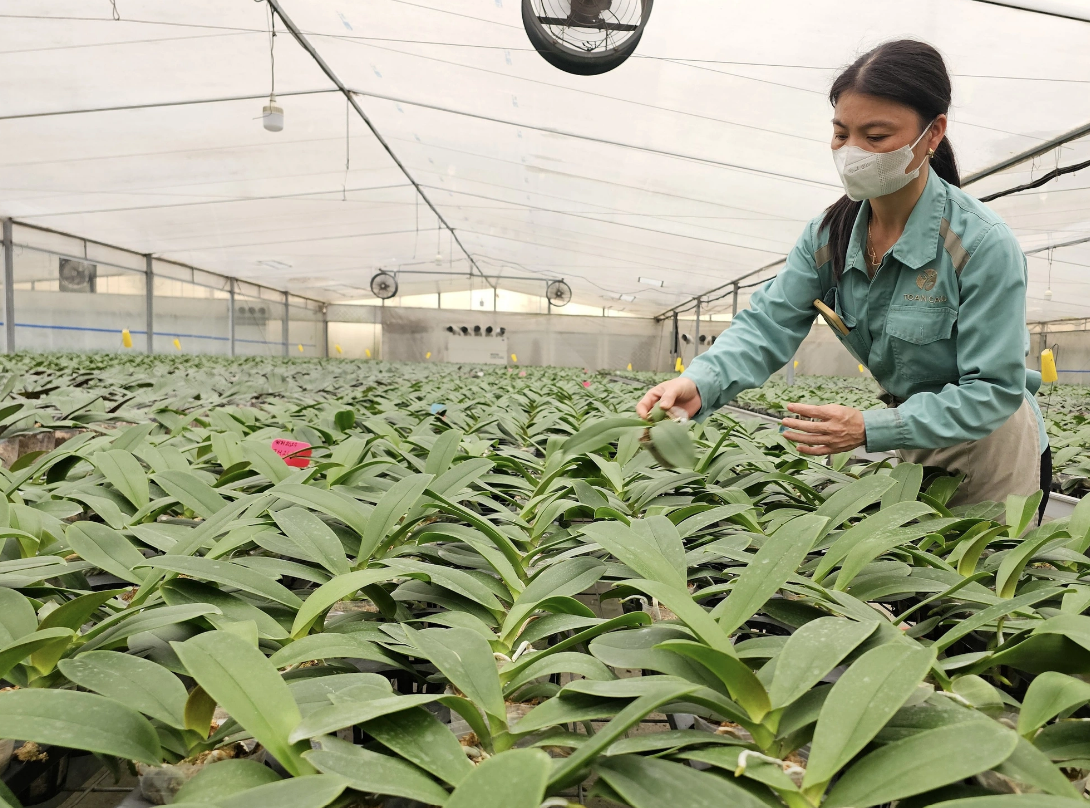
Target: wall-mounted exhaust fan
77	276
585	37
558	293
383	285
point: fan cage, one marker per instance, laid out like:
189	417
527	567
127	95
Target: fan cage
590	26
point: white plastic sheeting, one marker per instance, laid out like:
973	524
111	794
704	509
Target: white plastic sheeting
696	162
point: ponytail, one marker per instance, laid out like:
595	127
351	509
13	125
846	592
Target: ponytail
911	73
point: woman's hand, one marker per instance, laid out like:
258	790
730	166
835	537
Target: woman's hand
679	392
837	428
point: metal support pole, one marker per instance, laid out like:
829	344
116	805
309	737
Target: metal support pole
231	318
9	288
325	331
696	337
284	325
675	342
734	305
791	371
149	302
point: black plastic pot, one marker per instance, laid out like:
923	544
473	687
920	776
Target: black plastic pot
35	781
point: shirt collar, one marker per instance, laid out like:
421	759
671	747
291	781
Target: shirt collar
919	241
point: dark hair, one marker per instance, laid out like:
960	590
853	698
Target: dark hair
909	72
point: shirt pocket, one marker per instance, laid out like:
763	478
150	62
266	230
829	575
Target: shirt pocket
853	341
924	349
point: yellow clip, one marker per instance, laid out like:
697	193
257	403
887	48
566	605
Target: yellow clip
862	369
427	355
514	358
796	363
177	343
300	349
630	366
1048	367
126	338
338	347
368	352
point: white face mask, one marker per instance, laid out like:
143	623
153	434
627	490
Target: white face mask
868	174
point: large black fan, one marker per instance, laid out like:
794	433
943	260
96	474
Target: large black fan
558	293
585	37
383	285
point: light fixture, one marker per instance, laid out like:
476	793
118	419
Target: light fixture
502	331
450	329
476	330
685	339
488	331
703	338
465	331
272	115
1048	294
628	298
438	259
651	282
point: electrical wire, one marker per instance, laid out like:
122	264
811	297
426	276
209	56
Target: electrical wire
272	54
581	91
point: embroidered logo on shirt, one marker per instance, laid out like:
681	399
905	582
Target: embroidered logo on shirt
926	279
927	299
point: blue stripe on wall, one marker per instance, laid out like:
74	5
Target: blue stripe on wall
157	333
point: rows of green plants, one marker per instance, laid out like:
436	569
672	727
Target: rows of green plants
481	589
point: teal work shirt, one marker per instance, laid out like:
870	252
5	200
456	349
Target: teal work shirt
941	326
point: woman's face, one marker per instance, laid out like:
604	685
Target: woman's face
881	125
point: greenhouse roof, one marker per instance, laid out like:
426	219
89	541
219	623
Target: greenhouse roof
694	163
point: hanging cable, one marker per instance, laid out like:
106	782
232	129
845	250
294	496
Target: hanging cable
116	15
347	147
416	238
272	54
1048	289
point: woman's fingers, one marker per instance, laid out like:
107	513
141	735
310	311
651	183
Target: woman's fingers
817	427
648	401
680	392
810	410
804	437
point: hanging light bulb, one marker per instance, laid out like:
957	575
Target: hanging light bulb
1048	294
272	115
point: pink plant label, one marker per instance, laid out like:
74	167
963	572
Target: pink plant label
301	450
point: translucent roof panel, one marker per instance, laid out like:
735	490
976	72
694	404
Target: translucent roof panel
696	162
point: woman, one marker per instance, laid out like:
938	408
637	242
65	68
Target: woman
922	283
